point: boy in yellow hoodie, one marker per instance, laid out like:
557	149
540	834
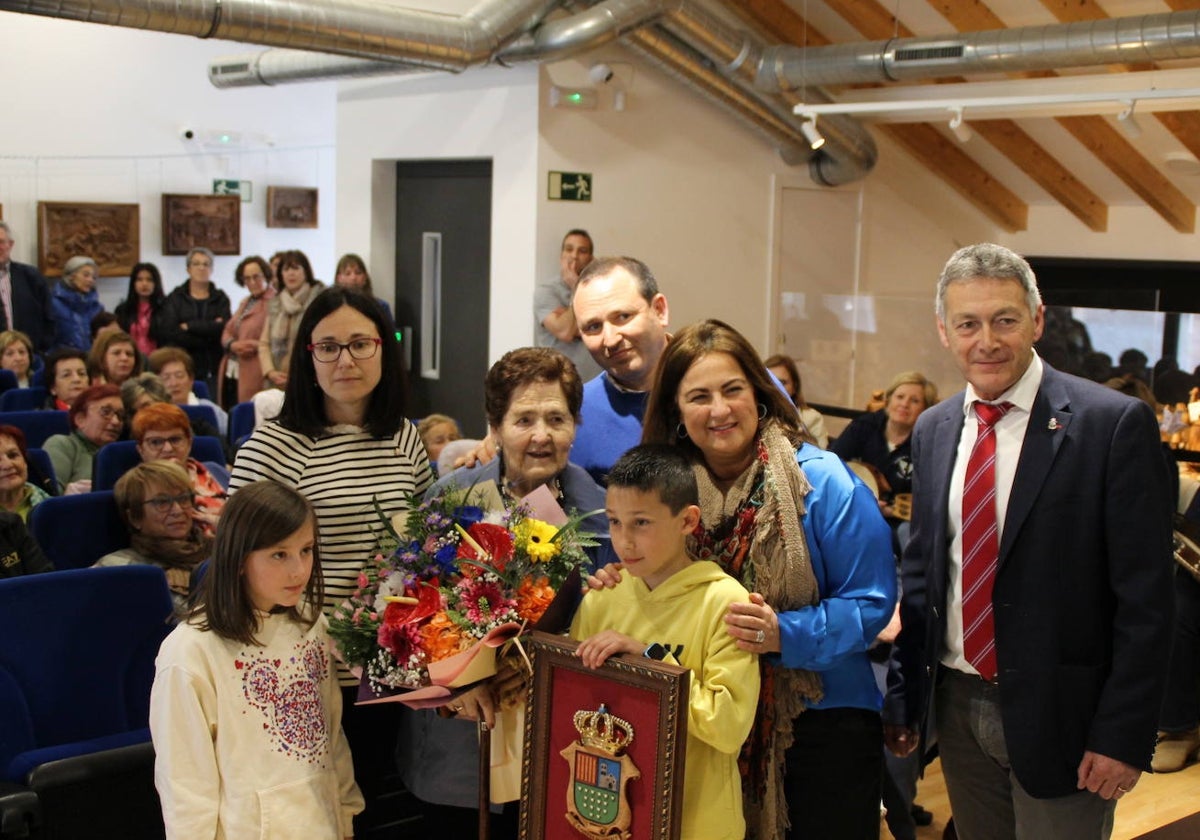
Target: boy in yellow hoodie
671	607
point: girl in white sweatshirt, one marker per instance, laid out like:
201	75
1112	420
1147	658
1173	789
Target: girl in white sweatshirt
245	713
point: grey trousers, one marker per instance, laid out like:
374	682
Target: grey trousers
986	799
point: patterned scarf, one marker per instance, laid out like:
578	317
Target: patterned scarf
178	557
753	532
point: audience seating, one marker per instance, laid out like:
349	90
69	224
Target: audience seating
23	399
77	653
116	459
8	380
200	389
241	422
202	412
76	531
41	470
37	425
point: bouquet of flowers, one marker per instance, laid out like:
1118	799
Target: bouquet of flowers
455	583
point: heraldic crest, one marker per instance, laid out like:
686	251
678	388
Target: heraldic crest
597	804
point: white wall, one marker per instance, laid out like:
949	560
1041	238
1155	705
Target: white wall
94	113
486	113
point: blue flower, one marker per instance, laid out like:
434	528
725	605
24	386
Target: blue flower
468	515
445	557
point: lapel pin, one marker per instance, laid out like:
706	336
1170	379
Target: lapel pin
1053	425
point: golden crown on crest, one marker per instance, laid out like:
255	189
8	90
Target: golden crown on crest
603	731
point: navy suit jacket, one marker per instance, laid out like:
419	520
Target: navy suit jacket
31	306
1082	598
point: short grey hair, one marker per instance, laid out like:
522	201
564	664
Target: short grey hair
74	264
133	388
986	261
199	249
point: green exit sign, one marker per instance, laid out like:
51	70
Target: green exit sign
570	186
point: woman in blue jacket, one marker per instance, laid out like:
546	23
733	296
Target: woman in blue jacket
808	541
74	302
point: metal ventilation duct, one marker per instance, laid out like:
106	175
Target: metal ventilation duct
1149	38
357	28
551	40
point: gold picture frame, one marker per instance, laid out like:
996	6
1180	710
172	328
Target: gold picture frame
292	207
108	233
645	786
210	221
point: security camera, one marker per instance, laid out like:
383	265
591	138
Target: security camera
187	134
600	74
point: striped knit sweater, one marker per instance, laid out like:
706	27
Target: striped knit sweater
341	473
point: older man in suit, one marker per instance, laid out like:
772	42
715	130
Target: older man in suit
24	297
1037	595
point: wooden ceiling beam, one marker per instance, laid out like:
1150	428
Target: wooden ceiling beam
874	22
947	159
1094	132
778	22
1119	155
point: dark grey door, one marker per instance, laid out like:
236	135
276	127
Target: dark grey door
443	266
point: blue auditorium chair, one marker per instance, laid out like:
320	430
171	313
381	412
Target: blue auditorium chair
201	412
8	380
115	459
77	655
37	425
241	422
76	531
23	399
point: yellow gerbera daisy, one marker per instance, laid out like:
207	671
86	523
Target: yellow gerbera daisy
535	536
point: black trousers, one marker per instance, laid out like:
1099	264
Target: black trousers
834	769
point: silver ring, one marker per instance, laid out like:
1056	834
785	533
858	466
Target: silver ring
760	637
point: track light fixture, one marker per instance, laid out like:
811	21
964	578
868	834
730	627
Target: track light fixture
809	129
961	130
1128	122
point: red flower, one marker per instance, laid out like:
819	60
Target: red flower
494	539
429	601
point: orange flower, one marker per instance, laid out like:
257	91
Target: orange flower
441	638
533	597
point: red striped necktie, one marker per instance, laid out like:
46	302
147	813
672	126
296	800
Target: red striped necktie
980	544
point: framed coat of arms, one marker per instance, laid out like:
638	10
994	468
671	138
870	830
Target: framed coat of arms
604	748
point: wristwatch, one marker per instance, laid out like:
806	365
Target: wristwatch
655	651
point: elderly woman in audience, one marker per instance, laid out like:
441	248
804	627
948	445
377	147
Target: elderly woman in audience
785	370
163	433
17	493
138	314
177	371
194	315
97	418
532	398
66	377
155	502
342	440
806	539
74	302
114	358
16	354
881	439
297	289
147	389
240	376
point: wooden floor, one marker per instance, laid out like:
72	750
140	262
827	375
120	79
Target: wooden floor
1156	801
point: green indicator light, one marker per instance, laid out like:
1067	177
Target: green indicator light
575	97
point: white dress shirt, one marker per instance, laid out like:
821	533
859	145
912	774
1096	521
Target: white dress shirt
1010	434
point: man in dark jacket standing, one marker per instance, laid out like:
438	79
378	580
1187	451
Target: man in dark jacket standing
24	297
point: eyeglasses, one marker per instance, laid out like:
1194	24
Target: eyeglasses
176	442
163	504
360	349
108	413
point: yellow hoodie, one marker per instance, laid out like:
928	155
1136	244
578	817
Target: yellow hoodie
684	614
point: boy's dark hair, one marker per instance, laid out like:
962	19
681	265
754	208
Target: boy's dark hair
257	516
657	468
